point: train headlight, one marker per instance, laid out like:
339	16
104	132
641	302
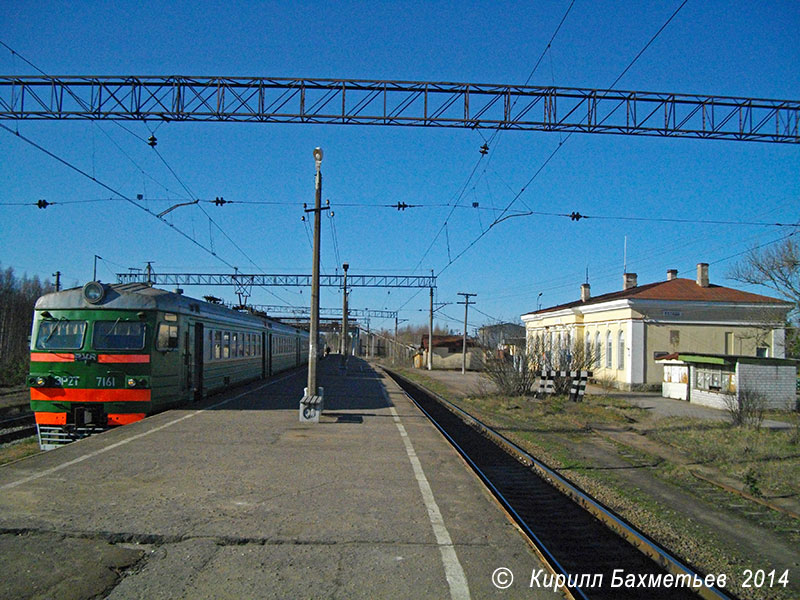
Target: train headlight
94	292
132	382
39	381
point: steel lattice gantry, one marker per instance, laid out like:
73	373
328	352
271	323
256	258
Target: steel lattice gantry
300	311
426	104
239	279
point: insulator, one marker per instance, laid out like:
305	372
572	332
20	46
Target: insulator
152	141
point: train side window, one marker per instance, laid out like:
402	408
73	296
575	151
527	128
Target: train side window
226	344
217	345
210	345
247	344
235	345
167	337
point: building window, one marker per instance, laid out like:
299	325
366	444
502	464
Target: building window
588	351
621	350
729	349
609	350
674	338
762	352
598	349
715	379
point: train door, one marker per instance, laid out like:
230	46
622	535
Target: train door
268	351
198	361
263	356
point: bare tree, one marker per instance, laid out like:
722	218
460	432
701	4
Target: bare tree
17	297
516	375
776	267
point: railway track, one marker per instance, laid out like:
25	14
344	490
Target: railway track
17	428
574	534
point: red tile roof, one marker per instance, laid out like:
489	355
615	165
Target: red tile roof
675	289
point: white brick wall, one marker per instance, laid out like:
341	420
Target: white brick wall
775	382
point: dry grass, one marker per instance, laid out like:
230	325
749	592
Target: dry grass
767	461
18	450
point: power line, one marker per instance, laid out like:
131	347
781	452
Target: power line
113	191
503	216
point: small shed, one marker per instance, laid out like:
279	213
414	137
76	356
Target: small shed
708	379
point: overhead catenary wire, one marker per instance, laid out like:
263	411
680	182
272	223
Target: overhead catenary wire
113	191
560	145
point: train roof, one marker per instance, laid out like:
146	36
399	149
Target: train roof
139	296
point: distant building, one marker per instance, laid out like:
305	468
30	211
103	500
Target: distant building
505	339
447	351
629	330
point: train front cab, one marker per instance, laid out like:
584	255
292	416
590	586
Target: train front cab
90	370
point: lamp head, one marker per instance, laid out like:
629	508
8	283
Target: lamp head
345	266
318	154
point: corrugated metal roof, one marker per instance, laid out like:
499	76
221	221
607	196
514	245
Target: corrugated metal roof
674	290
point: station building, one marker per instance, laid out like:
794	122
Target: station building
627	331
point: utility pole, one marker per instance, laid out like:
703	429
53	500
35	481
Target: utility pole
311	403
57	275
430	334
466	304
345	347
369	346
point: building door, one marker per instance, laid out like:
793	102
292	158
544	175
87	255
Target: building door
197	379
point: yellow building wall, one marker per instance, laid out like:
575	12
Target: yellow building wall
703	339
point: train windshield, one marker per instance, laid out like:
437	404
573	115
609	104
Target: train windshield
60	335
118	335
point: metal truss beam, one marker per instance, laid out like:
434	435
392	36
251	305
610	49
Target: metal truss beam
399	103
393	281
278	311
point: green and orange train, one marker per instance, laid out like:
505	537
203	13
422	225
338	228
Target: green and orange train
106	355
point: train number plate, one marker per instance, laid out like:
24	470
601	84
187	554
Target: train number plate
67	380
106	382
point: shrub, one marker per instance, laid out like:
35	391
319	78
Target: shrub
746	408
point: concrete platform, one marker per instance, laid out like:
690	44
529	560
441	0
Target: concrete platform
236	498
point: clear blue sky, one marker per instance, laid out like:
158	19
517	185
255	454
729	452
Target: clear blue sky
711	47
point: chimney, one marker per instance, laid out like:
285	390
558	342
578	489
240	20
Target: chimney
628	281
585	295
672	274
702	274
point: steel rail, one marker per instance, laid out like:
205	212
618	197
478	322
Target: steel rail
631	535
399	103
17	428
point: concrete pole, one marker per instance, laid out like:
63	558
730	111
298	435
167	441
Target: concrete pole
430	336
312	346
464	348
344	345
